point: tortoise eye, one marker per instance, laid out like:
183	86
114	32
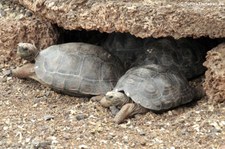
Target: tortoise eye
20	48
110	97
25	49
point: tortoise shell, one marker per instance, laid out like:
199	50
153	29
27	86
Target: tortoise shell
125	46
156	87
78	69
187	55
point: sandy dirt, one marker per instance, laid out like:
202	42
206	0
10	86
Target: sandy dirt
34	116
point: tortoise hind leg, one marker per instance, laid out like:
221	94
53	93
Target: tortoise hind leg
26	71
128	110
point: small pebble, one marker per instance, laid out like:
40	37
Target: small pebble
48	117
39	145
2	13
112	134
216	126
4	79
81	117
28	13
222	123
141	132
143	142
125	139
170	113
67	136
123	126
82	146
20	16
198	118
7	73
8	78
133	145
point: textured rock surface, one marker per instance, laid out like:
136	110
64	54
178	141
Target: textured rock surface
214	84
142	18
19	25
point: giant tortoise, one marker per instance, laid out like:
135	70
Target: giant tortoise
186	54
125	46
149	87
78	69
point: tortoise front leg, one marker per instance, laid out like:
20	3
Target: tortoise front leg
128	110
26	71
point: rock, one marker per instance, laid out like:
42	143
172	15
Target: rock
140	18
125	139
66	136
39	145
28	13
111	135
7	73
2	13
81	116
82	146
214	84
216	126
141	132
48	117
143	142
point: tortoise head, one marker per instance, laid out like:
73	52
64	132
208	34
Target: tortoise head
27	51
114	98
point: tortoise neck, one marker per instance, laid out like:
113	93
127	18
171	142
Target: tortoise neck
125	100
36	54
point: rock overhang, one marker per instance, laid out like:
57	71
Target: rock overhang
142	18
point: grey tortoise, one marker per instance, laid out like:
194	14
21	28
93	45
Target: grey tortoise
186	54
77	69
125	46
149	87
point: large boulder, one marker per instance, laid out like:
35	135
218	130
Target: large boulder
214	84
147	18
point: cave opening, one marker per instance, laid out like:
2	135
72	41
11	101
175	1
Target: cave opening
128	48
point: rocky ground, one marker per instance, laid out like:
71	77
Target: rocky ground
34	116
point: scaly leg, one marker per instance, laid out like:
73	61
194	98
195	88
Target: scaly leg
26	71
129	110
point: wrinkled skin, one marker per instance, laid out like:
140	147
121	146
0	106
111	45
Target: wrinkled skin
28	52
119	99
